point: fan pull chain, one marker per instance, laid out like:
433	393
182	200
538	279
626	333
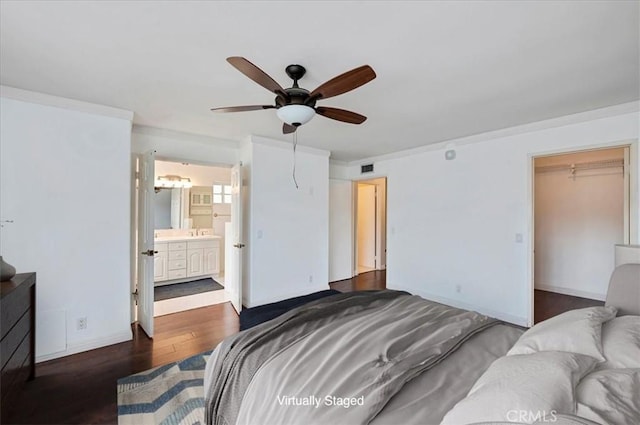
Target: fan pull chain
295	143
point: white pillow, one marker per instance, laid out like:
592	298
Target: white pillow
540	385
575	331
610	396
621	343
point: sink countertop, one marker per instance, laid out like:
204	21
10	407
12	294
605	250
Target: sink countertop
186	238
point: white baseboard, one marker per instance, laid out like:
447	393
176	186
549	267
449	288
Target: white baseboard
570	291
88	345
520	321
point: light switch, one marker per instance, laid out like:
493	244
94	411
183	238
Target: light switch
519	238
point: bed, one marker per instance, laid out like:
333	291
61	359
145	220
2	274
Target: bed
389	357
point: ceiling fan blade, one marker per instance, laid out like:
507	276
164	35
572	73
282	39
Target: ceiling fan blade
242	108
256	74
341	115
344	82
286	128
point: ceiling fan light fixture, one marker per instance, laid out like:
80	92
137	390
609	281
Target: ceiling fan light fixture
296	114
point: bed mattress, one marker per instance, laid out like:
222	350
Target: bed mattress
395	357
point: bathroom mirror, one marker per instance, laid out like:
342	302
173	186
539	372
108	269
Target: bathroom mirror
171	208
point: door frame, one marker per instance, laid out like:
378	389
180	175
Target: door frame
633	210
135	158
376	229
382	236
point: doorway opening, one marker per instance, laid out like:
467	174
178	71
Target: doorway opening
581	210
370	239
190	224
186	237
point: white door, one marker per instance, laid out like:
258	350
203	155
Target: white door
145	242
233	279
366	227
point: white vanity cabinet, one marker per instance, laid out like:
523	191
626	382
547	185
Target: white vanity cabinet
211	259
203	257
160	262
195	262
184	259
177	263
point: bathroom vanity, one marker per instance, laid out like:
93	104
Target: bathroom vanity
184	258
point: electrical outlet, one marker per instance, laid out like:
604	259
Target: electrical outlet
82	323
310	278
458	288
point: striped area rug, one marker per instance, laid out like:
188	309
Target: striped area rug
172	394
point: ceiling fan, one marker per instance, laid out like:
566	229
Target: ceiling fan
296	105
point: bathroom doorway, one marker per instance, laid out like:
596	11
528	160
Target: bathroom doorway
187	247
192	213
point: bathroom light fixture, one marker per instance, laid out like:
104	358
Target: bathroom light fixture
296	115
173	181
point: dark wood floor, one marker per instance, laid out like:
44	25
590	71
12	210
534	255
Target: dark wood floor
376	279
548	304
81	389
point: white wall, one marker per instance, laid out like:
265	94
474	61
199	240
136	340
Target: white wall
65	181
340	229
452	225
192	148
289	227
578	221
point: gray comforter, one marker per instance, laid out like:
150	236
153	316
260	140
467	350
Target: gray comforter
340	359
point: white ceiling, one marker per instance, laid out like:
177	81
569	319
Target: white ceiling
445	69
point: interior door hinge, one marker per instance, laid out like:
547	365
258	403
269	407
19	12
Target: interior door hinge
135	296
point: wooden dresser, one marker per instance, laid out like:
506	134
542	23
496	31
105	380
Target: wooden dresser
17	325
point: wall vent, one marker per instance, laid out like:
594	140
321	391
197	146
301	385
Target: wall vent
368	168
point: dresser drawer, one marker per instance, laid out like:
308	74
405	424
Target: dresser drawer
14	338
178	255
177	264
177	274
176	246
17	344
